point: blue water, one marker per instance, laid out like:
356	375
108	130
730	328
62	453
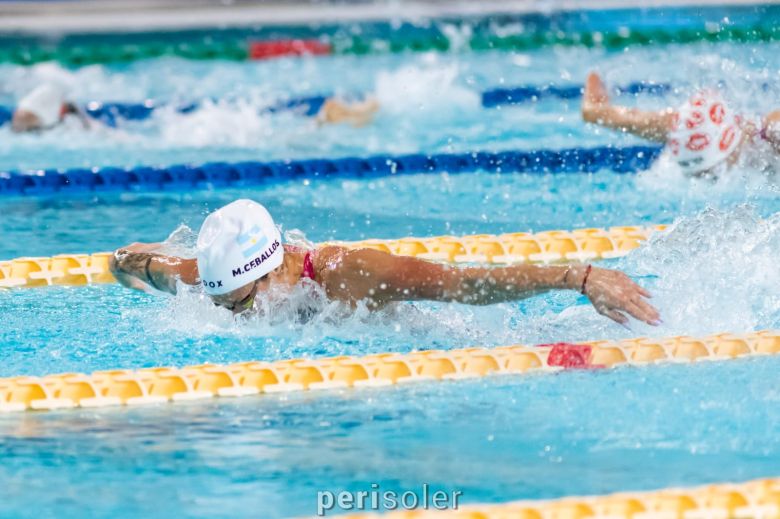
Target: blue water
494	439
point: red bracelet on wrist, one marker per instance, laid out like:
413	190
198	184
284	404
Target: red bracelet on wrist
585	279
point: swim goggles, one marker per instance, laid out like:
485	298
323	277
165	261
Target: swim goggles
247	302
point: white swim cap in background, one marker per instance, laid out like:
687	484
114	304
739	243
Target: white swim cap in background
705	133
45	102
237	245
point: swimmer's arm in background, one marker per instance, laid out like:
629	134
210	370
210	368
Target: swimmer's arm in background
771	129
379	278
357	114
25	121
129	266
597	109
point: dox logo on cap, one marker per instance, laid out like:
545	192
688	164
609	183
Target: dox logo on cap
253	239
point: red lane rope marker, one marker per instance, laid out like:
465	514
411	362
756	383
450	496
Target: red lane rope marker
571	356
281	48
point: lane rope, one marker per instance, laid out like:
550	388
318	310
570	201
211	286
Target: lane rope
483	38
531	93
759	498
213	175
169	384
520	247
111	113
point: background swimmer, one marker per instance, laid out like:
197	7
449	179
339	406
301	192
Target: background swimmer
46	107
704	137
240	256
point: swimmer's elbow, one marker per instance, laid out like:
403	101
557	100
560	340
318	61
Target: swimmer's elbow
188	272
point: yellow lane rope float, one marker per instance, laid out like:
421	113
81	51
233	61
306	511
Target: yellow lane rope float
165	384
543	247
752	499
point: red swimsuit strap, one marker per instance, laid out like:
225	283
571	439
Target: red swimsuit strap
308	262
308	267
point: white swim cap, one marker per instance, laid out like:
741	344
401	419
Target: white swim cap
237	244
45	102
705	133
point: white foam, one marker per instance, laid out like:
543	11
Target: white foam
214	124
432	89
716	271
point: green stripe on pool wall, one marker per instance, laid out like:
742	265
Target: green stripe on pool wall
605	29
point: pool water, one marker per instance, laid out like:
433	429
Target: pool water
495	439
436	108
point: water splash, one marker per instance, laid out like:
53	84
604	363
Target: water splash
220	123
431	88
711	272
181	242
714	271
752	177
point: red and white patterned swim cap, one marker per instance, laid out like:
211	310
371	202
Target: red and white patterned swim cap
706	131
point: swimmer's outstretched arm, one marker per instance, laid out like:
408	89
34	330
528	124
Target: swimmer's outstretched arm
357	114
138	266
26	121
379	278
597	109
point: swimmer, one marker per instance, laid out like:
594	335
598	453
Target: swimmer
704	137
44	108
240	256
357	114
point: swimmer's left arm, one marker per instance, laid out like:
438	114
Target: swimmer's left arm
138	262
379	278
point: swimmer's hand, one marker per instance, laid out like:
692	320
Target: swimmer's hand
124	279
594	99
140	262
613	294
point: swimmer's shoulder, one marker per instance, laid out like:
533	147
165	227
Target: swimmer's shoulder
339	260
330	256
327	257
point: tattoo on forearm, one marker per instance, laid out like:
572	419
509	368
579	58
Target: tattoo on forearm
133	263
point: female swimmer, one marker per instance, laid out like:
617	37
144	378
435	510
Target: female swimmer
46	107
240	255
704	137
